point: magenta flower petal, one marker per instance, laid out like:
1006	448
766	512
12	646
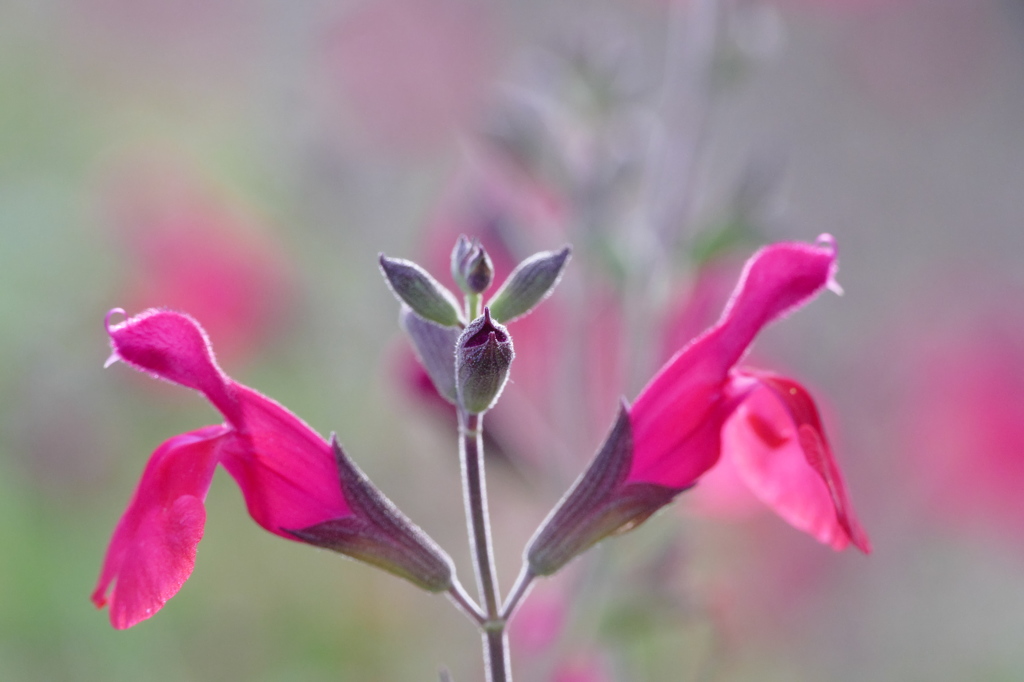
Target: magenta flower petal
777	444
775	281
676	453
286	470
292	480
686	416
172	346
153	548
677	417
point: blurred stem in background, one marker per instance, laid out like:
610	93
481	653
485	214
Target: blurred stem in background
665	205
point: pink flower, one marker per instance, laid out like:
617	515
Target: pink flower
188	248
540	634
700	406
583	669
296	484
961	408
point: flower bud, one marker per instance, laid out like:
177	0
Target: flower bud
378	533
425	295
483	355
472	269
529	284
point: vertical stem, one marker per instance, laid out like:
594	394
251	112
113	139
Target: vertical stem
471	452
684	107
472	306
496	659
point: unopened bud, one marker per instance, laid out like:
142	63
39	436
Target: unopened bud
472	269
483	355
425	295
529	284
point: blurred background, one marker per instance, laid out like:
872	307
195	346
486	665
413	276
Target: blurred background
246	162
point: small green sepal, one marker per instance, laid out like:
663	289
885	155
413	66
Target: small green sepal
531	282
425	295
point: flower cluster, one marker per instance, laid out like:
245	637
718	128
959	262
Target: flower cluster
701	408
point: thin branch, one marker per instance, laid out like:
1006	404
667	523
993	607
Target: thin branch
519	590
466	604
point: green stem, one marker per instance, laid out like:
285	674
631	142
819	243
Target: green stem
471	454
473	306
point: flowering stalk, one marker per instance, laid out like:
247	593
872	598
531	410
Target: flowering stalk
468	363
471	452
483	354
494	619
474	490
700	408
